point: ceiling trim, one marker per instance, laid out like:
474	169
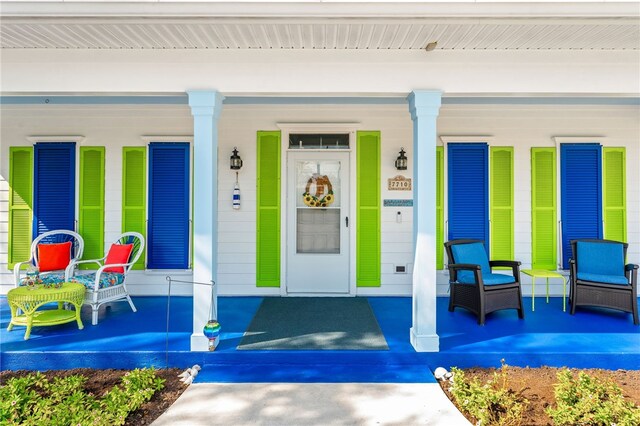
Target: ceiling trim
317	9
308	20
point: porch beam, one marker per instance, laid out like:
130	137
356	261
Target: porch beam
424	106
205	108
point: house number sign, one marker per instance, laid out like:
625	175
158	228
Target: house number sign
399	183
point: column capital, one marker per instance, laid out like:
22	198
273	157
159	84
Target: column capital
424	102
205	102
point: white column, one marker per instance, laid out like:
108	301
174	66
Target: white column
205	108
424	106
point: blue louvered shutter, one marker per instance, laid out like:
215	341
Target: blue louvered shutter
468	191
581	199
168	228
54	187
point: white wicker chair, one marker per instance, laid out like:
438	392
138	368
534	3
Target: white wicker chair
104	287
51	237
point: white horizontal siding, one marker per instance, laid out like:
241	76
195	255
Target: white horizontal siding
6	276
525	127
633	193
109	126
230	236
116	126
397	237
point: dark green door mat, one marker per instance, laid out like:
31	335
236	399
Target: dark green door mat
314	323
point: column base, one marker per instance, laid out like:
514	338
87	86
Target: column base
424	342
199	343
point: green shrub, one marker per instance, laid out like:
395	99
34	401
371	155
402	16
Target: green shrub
34	400
586	400
492	403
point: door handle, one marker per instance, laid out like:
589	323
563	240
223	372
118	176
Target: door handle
346	221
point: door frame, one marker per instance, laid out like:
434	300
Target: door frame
286	129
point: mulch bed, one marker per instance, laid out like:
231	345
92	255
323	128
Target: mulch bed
100	381
537	384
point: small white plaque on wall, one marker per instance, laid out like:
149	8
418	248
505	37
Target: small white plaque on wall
399	183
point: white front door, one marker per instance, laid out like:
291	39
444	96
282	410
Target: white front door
318	222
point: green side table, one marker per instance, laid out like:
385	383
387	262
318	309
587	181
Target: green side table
542	273
28	301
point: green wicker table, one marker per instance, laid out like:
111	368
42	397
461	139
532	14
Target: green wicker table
28	301
542	273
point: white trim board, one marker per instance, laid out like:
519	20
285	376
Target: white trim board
577	139
347	127
444	139
181	138
38	139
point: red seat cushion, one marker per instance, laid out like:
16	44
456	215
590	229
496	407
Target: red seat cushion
118	253
53	257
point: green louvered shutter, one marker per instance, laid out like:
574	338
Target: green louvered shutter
134	189
439	208
501	203
91	223
20	204
544	243
614	194
368	210
268	210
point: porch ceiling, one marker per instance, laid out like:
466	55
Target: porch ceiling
317	25
219	34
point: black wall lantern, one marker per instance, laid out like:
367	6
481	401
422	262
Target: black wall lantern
236	161
401	161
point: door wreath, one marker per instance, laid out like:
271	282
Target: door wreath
318	200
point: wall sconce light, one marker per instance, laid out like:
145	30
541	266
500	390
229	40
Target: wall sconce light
236	161
401	161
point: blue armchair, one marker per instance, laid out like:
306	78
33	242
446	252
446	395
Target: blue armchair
599	276
473	284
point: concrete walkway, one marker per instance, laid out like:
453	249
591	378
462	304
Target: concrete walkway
295	404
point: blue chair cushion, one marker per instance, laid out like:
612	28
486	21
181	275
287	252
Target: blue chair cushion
607	279
493	279
107	279
487	279
47	278
600	258
473	253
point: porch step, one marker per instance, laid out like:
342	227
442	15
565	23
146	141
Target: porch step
314	367
314	373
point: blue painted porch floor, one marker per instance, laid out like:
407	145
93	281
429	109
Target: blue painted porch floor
124	339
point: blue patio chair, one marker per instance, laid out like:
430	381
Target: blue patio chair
599	276
473	284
